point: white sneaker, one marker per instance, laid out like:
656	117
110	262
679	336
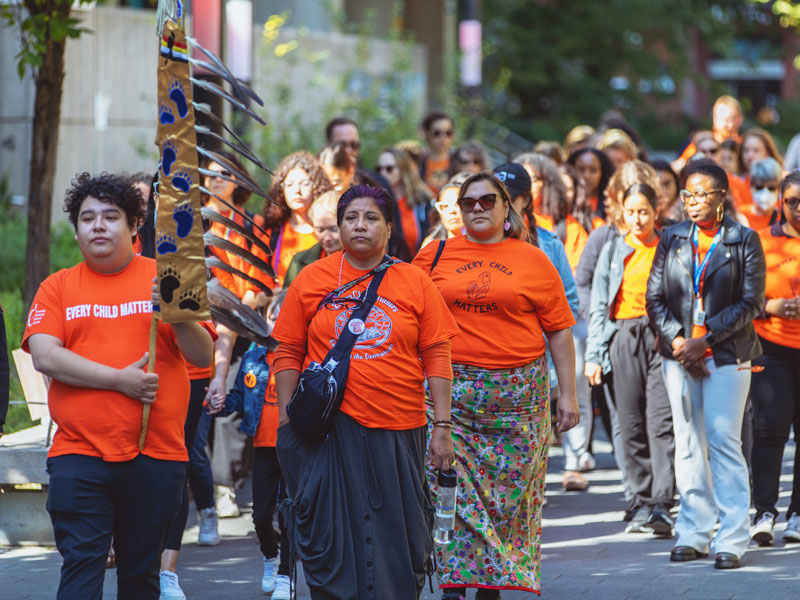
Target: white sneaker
586	462
226	502
208	535
270	570
283	588
170	588
792	533
761	531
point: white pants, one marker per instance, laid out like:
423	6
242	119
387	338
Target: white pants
710	470
576	440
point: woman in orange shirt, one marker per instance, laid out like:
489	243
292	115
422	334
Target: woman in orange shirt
447	211
619	328
412	195
775	392
595	170
298	180
360	502
506	297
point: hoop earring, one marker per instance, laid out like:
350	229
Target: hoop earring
720	212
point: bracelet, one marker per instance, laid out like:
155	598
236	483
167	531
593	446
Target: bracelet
446	424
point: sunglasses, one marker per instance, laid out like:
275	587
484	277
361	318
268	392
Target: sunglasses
442	133
792	203
386	169
351	145
487	202
220	173
443	207
771	188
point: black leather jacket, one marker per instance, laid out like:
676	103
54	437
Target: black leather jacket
733	291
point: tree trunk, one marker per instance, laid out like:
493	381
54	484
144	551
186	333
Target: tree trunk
46	114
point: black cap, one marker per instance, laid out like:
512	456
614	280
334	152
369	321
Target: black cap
447	478
514	177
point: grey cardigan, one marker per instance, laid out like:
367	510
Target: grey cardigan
605	286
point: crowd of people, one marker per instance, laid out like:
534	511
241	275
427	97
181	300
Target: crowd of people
506	306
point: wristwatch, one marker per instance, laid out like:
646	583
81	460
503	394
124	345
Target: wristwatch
710	339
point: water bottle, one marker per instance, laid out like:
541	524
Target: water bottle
445	519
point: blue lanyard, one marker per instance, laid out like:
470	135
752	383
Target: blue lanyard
700	269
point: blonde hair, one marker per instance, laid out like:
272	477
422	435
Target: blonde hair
577	135
326	202
728	101
517	228
619	140
629	173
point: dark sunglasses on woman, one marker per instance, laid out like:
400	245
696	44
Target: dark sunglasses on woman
486	201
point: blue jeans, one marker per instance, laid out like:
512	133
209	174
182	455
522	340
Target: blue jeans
710	470
90	500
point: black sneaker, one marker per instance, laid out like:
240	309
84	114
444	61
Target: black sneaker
661	522
639	522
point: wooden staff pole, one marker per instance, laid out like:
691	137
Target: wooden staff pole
151	364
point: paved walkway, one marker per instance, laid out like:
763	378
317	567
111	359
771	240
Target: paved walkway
585	555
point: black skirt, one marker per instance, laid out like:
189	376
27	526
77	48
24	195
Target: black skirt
359	511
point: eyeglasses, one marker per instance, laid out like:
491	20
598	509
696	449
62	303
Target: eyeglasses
340	302
442	133
304	184
486	201
389	169
792	203
443	207
699	197
220	174
710	150
771	188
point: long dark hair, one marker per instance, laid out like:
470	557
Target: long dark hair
581	207
606	171
147	230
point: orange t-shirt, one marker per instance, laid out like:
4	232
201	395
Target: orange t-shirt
267	432
290	242
544	221
385	385
503	296
575	242
408	220
235	284
203	372
757	222
629	303
703	246
436	173
106	319
740	191
782	254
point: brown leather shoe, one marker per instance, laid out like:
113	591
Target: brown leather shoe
685	554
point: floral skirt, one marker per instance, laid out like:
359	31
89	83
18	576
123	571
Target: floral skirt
501	428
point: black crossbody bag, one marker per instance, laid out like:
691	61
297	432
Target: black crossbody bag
320	390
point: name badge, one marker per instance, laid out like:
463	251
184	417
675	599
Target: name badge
699	316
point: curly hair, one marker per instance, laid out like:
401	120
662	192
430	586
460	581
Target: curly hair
554	194
298	160
107	187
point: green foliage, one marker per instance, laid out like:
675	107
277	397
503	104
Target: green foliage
43	22
567	65
18	416
387	104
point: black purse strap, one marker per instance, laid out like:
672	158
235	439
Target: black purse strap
387	262
438	255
